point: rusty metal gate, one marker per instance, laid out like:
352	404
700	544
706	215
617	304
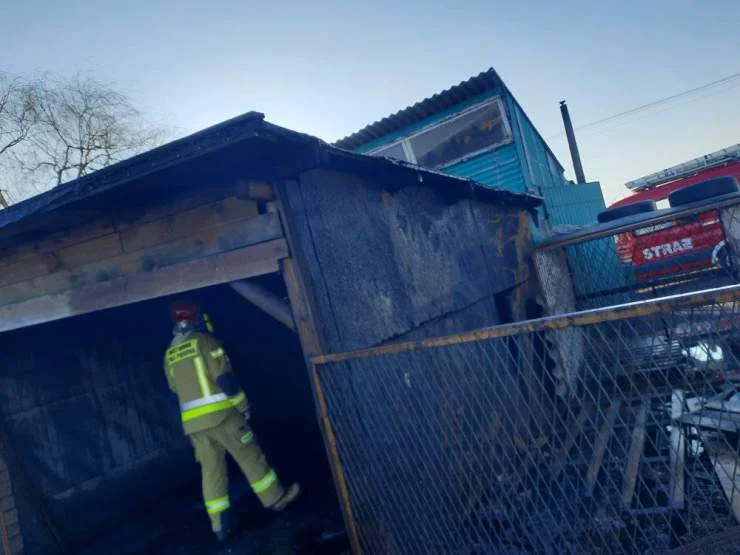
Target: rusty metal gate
623	439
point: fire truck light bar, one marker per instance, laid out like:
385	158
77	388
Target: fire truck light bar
723	156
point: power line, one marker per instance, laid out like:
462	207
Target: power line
664	110
663	100
657	102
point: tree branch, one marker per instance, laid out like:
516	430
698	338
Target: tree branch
79	125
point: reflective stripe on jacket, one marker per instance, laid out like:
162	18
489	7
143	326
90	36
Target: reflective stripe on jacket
193	364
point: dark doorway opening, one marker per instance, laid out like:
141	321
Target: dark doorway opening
96	431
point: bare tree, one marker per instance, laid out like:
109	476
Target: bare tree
17	117
81	125
53	130
17	112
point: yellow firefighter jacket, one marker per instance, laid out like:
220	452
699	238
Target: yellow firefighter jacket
193	364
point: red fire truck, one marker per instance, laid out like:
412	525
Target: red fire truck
692	245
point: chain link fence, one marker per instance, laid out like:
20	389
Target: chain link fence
648	256
481	443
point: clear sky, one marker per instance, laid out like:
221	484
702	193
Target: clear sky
328	68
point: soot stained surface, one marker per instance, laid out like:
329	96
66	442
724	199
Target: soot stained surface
88	410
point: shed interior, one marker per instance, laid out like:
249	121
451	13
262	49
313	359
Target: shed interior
90	419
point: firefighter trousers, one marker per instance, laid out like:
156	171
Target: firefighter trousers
234	436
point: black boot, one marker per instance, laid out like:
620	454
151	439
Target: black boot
228	526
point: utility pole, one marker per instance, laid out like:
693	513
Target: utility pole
575	156
3	202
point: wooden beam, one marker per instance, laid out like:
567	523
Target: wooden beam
255	190
27	268
637	446
310	342
676	495
200	243
602	440
183	224
302	298
727	468
339	477
106	246
302	303
230	266
34	262
301	309
81	230
265	300
176	204
574	430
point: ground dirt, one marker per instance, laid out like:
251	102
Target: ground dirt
179	526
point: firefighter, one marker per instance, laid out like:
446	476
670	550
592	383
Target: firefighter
215	415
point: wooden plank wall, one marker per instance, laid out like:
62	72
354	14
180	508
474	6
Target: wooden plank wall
138	254
382	265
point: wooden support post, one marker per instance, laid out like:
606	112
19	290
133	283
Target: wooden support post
573	433
265	300
311	344
637	446
301	309
341	482
575	429
678	452
727	468
602	440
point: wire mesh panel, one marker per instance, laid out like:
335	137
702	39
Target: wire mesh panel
657	255
468	444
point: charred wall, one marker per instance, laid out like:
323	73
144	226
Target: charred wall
84	403
389	262
87	411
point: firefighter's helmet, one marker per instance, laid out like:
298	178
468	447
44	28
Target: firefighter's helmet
185	311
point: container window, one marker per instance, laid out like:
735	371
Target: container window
481	128
472	132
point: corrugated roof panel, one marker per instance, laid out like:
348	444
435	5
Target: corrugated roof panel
435	116
484	81
499	168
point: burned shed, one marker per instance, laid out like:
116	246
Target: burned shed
335	250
